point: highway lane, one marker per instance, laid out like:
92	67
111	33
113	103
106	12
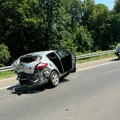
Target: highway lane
7	82
91	94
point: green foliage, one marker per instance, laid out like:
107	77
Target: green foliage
115	28
83	39
70	44
20	26
88	7
74	9
100	27
36	25
117	6
4	55
7	74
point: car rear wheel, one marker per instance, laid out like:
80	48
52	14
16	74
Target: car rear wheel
54	79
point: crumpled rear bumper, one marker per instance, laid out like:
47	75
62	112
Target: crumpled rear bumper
39	77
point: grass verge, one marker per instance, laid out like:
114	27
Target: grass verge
95	58
7	74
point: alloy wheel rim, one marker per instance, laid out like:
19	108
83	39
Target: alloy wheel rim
55	79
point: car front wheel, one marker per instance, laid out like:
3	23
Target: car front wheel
54	79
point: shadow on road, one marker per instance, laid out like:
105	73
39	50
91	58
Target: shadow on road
114	59
25	89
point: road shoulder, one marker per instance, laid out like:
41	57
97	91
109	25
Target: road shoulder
94	63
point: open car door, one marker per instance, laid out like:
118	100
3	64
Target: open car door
67	59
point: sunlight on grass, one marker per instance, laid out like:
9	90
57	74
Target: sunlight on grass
7	74
95	58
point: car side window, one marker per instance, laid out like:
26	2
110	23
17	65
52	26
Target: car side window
52	56
66	59
63	53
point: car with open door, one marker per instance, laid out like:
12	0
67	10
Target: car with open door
44	67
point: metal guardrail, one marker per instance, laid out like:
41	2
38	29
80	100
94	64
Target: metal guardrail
6	68
94	54
77	57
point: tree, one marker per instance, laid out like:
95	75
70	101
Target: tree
54	21
19	26
87	11
69	43
115	26
117	6
4	55
99	27
115	22
83	39
74	9
36	25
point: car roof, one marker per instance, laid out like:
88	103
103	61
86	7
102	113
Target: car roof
41	53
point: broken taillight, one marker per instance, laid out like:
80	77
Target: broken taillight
41	66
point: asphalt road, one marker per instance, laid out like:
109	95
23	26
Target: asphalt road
92	93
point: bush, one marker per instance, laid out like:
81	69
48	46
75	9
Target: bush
4	54
69	44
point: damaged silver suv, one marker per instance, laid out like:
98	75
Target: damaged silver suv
44	67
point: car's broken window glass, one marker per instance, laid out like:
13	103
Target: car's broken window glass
29	59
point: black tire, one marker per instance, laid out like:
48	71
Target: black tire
54	79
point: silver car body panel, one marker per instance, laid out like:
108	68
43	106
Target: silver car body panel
27	69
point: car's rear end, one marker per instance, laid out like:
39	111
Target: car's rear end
31	70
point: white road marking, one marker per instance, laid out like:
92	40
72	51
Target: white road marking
6	87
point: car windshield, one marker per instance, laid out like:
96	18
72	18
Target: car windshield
29	59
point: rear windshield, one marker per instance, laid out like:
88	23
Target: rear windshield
29	59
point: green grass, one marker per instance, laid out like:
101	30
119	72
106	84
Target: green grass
7	74
95	58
